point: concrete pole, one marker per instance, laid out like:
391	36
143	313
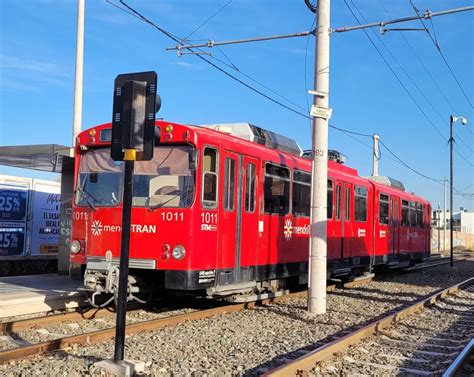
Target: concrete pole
318	250
76	128
444	218
438	225
375	156
451	191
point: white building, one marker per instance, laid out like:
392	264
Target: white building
463	220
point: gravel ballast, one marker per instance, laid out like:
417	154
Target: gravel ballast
250	342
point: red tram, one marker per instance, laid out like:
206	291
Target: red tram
224	209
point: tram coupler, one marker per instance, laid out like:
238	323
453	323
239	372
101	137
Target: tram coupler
102	278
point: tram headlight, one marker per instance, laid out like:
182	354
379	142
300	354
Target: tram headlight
178	252
75	247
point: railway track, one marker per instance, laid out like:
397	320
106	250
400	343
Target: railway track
108	333
63	342
422	339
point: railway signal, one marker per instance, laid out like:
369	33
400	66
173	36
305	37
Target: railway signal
133	138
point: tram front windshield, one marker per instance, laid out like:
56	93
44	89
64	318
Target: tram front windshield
165	181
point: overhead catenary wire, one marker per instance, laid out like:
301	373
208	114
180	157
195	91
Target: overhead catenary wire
396	76
182	42
208	19
433	80
179	41
138	15
438	48
409	77
408	166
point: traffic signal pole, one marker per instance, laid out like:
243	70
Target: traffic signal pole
130	156
321	113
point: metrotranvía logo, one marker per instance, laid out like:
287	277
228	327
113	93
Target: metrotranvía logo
288	229
96	227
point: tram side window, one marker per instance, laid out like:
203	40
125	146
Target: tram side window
276	189
360	197
330	195
338	202
405	213
383	209
301	194
229	184
209	178
413	214
419	215
250	188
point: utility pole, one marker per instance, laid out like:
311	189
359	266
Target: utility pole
451	191
438	225
77	122
444	218
375	156
321	113
452	119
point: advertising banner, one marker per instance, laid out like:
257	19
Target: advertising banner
13	218
46	214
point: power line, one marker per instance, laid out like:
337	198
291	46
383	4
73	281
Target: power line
408	166
440	90
180	42
464	158
208	19
395	74
397	159
348	132
407	75
176	39
438	48
421	63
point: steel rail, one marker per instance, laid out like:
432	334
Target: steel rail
24	324
328	350
105	334
109	333
455	367
48	320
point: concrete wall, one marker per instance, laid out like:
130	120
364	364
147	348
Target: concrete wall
460	239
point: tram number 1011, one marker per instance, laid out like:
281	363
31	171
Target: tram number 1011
209	218
172	216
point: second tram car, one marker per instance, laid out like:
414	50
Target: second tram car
224	210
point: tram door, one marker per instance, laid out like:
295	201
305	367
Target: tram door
248	213
343	216
348	227
238	239
394	232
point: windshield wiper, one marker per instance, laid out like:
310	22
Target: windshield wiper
181	192
88	196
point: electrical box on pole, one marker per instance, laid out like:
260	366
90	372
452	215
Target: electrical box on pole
133	138
133	120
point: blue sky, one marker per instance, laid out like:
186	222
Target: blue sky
37	56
